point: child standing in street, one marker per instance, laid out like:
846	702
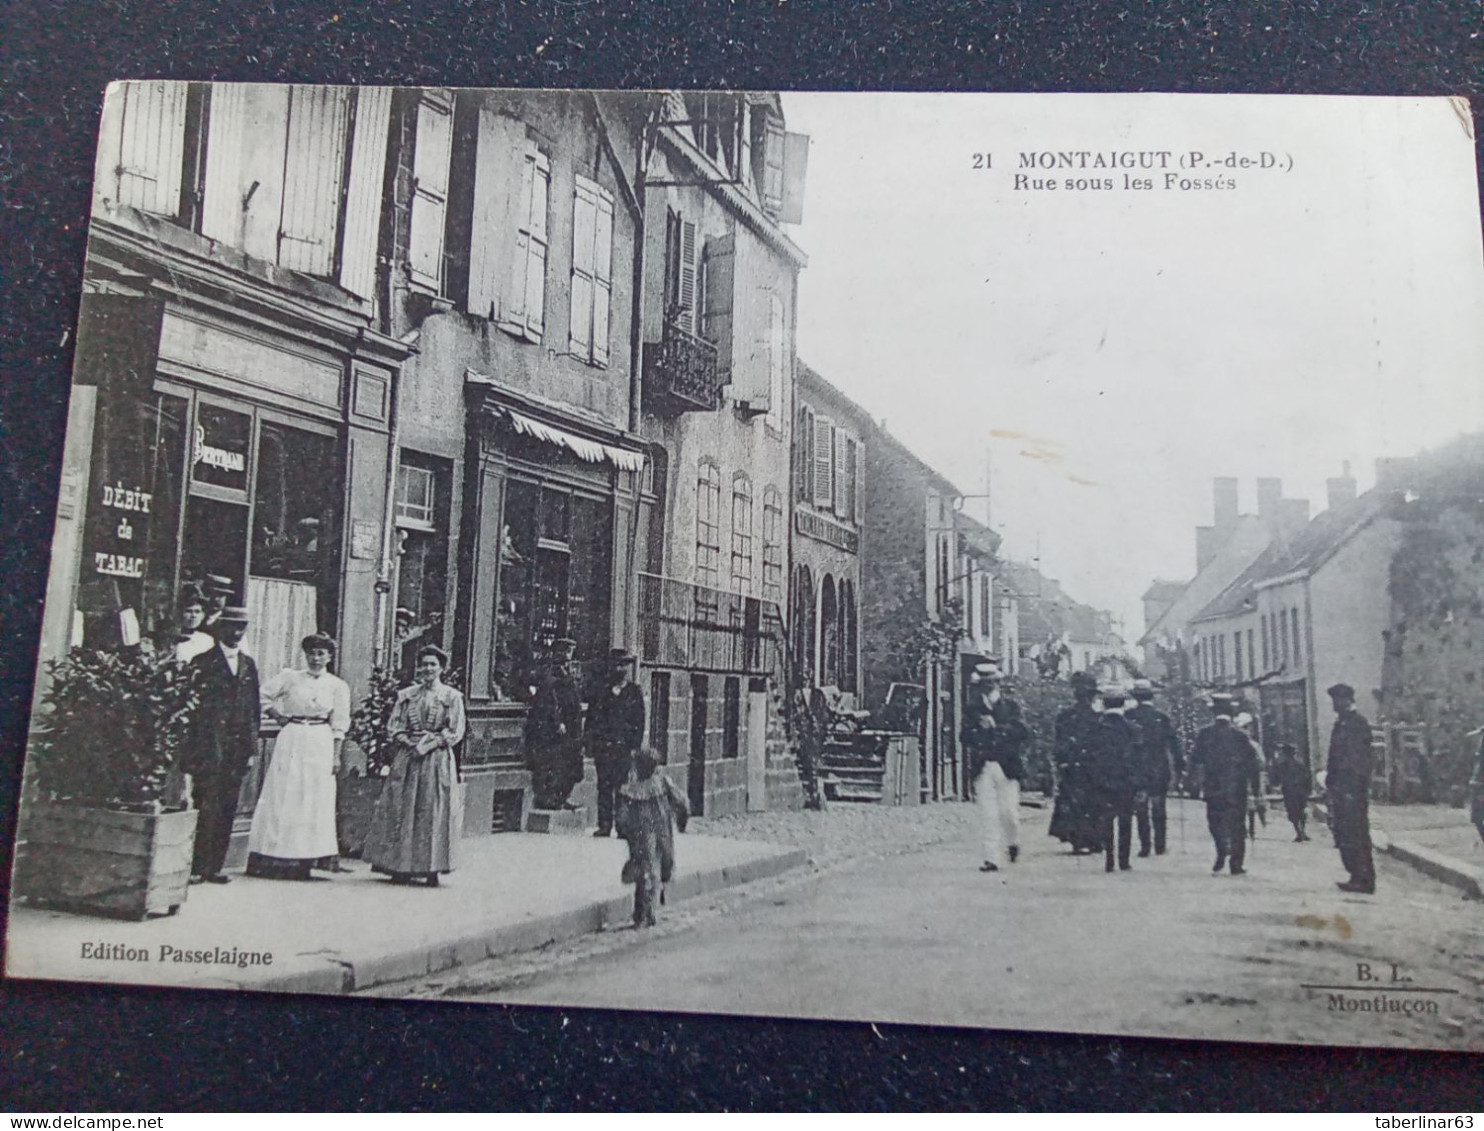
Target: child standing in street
650	808
1293	782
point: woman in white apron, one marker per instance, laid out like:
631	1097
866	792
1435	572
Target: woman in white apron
293	824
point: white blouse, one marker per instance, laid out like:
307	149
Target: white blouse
300	694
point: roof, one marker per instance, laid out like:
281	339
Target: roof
1163	590
810	382
1304	553
882	438
979	536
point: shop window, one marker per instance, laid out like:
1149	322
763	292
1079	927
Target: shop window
126	590
219	448
555	580
296	527
731	717
422	518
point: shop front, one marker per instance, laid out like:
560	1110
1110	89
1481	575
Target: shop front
555	501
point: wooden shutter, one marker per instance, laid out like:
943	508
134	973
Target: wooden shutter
795	168
363	190
151	147
430	159
776	360
716	318
602	277
221	200
860	482
844	466
498	147
687	294
523	307
803	456
584	228
824	461
313	174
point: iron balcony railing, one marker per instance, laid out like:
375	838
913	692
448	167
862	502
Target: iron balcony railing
682	372
698	628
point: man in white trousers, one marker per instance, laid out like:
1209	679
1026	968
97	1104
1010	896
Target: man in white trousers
994	735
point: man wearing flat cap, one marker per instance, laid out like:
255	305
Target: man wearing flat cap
615	729
1347	781
221	741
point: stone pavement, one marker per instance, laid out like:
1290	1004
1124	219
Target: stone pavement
354	930
1437	840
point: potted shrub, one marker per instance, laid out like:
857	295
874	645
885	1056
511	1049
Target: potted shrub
359	787
99	838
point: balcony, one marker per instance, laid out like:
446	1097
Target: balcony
700	629
681	373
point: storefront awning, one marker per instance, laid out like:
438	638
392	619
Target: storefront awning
590	450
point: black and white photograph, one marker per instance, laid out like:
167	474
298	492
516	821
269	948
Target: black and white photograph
1005	561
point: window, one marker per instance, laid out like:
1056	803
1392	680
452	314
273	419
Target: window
414	497
523	305
741	533
1297	648
715	299
984	606
772	544
1237	654
1251	656
847	474
829	633
824	462
849	639
592	271
422	555
777	363
1267	662
430	161
708	525
1283	635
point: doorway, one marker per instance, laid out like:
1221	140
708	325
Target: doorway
696	771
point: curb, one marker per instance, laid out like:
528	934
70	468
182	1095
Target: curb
1438	865
348	974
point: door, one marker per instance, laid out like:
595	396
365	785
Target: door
696	775
757	751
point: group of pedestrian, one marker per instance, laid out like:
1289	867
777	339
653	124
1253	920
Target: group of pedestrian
1114	769
415	824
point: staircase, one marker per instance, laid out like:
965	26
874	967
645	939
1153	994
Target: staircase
853	768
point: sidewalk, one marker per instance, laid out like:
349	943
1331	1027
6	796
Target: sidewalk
1437	840
350	931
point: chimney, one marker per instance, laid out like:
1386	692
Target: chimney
1205	546
1269	496
1293	516
1224	496
1341	490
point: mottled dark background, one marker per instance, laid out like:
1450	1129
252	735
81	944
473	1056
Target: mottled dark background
65	1047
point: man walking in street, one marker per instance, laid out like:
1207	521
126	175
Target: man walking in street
1115	778
554	731
1347	781
1073	819
222	740
994	737
615	729
1228	767
1161	762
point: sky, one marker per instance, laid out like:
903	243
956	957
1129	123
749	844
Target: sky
1106	352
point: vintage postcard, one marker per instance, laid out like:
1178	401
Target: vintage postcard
987	560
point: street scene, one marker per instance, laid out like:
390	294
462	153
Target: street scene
968	560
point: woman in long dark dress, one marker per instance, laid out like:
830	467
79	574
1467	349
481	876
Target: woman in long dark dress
417	818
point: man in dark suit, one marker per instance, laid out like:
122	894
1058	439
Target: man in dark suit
554	731
615	729
1347	781
1114	765
1230	773
222	740
1161	762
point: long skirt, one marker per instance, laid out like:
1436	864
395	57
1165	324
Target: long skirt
295	815
418	816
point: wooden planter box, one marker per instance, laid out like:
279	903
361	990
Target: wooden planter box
355	802
105	862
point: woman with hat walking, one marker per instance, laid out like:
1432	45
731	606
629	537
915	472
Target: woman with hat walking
417	817
293	824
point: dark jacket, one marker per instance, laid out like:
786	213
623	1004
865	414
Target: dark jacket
1075	729
558	704
223	735
1161	761
1114	757
1349	768
1291	777
615	723
1227	761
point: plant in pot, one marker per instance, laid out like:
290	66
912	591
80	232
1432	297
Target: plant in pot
361	785
100	838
